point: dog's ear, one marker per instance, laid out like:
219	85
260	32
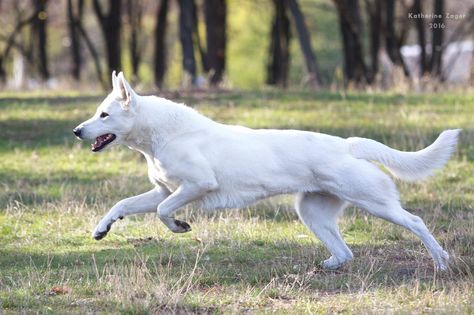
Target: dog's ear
114	81
124	91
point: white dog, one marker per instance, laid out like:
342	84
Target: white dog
194	159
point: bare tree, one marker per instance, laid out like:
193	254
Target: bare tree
279	49
393	42
186	25
74	14
94	54
197	38
135	14
350	24
437	38
420	31
39	31
216	38
110	24
314	77
160	43
375	23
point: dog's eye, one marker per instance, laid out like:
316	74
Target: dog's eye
103	115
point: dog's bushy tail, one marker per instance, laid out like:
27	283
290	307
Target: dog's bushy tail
407	166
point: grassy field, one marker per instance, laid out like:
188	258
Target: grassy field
53	191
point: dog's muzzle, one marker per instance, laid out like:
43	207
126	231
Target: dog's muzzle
77	131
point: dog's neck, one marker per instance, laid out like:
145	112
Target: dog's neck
158	121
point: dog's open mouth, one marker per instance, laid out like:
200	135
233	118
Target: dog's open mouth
102	141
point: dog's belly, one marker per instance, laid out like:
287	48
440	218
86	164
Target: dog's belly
235	196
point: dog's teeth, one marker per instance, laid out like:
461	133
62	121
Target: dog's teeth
102	141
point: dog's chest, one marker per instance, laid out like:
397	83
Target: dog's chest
160	177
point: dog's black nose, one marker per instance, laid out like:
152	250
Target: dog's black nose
77	131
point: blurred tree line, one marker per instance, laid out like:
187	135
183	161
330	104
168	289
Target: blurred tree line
365	30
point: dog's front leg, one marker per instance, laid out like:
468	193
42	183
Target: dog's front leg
186	193
143	203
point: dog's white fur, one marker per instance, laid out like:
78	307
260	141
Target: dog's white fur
194	159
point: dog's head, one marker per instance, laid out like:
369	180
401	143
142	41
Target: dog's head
114	118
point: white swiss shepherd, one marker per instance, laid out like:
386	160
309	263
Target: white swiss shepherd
194	159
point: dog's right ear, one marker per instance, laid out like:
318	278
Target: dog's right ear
114	81
125	91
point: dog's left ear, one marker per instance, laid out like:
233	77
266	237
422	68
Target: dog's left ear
124	91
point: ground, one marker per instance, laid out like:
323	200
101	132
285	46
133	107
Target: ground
54	190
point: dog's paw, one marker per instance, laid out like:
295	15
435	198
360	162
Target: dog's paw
181	227
331	263
98	234
442	261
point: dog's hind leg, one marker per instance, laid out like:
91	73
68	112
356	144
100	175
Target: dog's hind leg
393	212
375	192
319	213
143	203
415	224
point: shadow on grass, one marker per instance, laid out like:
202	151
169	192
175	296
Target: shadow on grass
37	189
35	133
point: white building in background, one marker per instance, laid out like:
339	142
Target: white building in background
457	61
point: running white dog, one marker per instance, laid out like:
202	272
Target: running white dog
194	159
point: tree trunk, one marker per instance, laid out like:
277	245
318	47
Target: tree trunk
186	23
437	41
314	77
110	24
197	40
350	25
216	38
392	43
375	21
40	32
420	30
279	52
3	73
74	34
390	38
160	44
135	13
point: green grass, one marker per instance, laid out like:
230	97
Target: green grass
53	191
